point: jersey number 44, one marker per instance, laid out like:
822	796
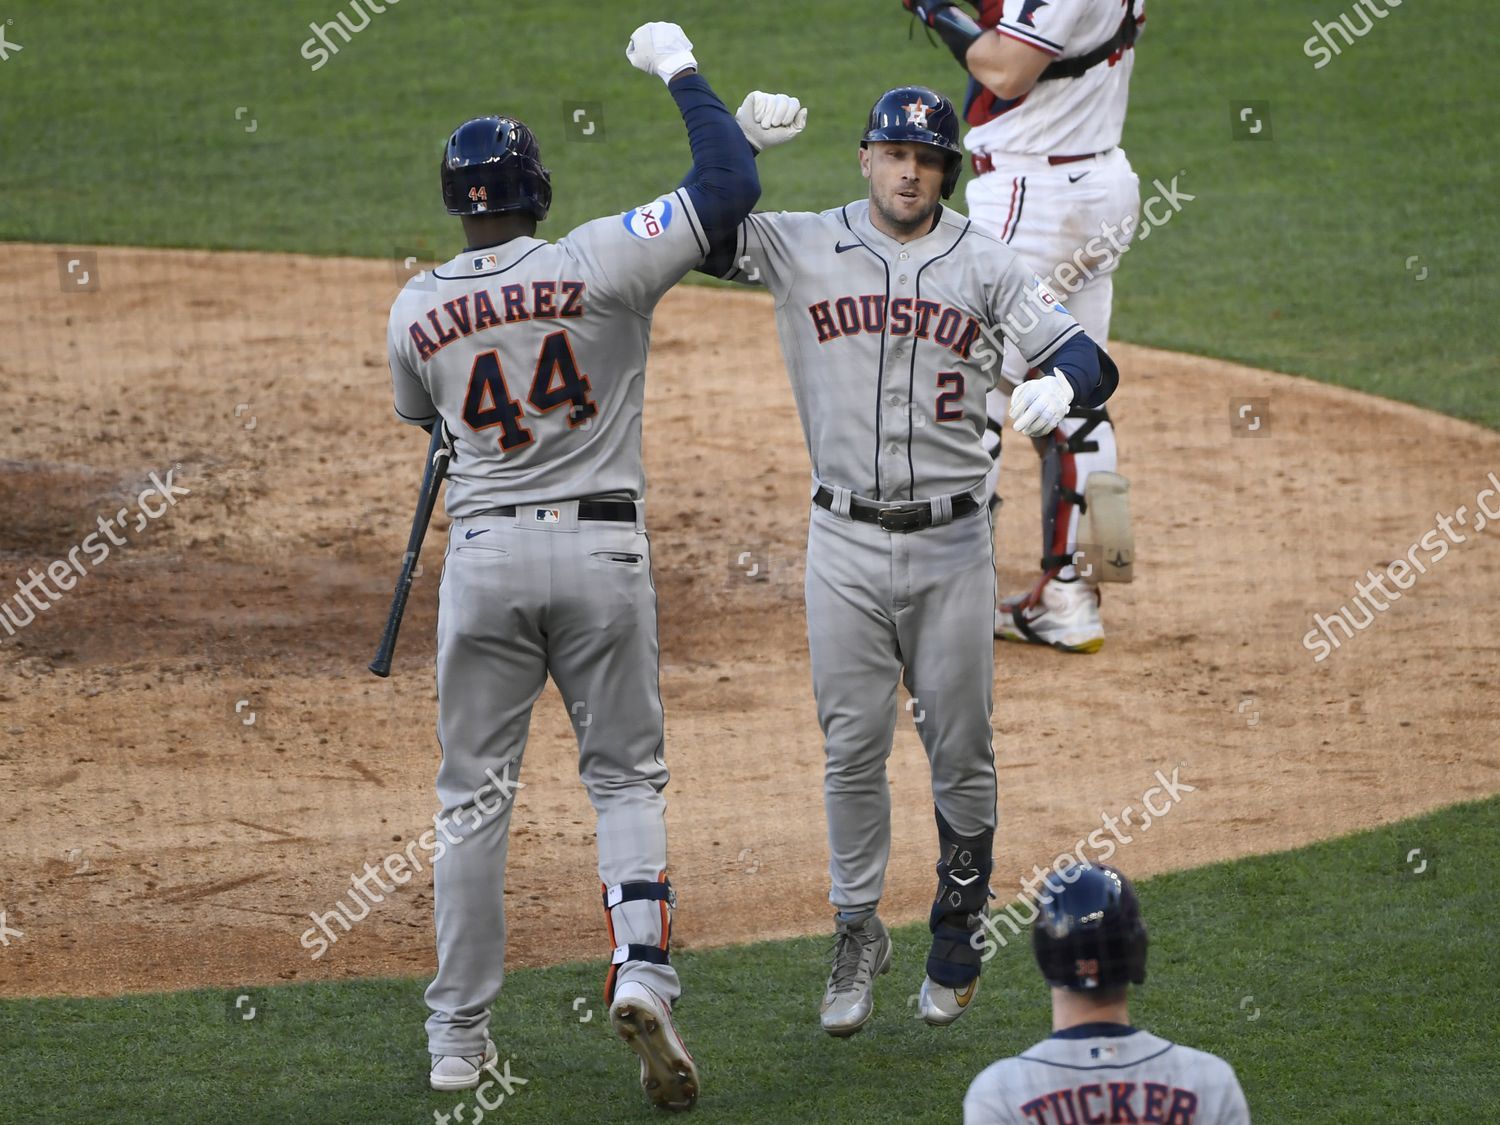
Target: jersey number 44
555	382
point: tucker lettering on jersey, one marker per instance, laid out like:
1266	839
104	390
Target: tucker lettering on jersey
848	316
1109	1102
507	304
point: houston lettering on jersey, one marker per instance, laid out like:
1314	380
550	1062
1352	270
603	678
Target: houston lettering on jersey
474	312
848	316
1114	1103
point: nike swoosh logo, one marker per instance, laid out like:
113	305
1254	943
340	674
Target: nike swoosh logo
1075	179
471	534
840	248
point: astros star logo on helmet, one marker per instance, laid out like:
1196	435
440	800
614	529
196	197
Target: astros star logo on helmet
916	112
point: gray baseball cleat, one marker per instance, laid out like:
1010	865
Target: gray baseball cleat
940	1005
861	951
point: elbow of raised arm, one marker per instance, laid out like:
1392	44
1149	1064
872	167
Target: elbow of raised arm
723	200
1003	84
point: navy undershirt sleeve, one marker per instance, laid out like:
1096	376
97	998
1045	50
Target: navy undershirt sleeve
1087	366
723	183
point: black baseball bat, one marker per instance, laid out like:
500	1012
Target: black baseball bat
439	451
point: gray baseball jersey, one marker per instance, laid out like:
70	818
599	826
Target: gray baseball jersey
891	348
534	353
1107	1073
884	341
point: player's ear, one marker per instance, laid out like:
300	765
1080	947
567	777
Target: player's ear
864	161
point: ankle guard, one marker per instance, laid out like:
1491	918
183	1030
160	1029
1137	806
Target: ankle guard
963	891
659	892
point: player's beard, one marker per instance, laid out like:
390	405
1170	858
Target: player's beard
898	214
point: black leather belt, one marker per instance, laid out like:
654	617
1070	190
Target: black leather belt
913	516
616	511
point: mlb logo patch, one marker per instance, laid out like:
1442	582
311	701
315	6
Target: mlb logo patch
1103	1052
548	515
484	262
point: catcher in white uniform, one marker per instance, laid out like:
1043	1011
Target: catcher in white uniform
1048	86
1090	944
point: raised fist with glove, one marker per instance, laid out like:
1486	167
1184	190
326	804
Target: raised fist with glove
1038	405
768	120
662	49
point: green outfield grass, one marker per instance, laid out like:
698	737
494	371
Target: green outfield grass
120	126
1344	986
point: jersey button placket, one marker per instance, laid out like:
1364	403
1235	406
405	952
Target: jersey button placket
894	408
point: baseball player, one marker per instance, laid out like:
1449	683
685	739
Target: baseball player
886	308
1049	81
1090	944
533	354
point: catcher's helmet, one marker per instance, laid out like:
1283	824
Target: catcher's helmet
493	165
1088	933
915	113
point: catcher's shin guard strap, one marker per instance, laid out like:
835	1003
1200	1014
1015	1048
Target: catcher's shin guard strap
963	891
659	892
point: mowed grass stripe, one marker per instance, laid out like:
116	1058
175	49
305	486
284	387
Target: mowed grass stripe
1344	986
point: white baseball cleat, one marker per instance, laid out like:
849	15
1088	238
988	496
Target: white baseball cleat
461	1072
644	1020
1065	616
940	1005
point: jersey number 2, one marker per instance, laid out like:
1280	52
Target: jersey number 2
950	402
556	382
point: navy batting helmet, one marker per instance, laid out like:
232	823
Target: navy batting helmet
915	113
1088	933
493	165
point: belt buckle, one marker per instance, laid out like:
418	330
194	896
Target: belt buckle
905	518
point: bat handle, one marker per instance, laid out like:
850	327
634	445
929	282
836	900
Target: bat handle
381	665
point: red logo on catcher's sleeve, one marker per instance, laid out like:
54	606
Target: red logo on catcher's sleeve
1027	18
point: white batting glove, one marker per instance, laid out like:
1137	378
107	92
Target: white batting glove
661	49
1038	405
768	120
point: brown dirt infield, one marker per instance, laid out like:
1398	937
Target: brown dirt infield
156	837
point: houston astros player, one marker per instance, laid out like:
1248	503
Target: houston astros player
532	354
1049	81
1090	944
886	308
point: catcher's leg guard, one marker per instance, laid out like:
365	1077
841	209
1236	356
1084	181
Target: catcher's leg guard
963	891
1106	543
660	893
1063	482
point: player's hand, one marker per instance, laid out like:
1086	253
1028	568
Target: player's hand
768	120
662	49
1038	405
